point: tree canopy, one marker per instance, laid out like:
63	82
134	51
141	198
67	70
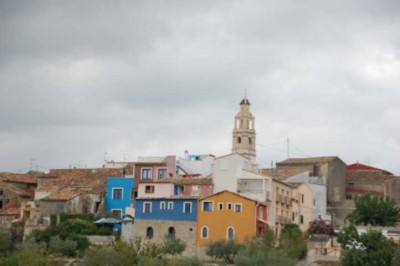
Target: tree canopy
370	248
375	210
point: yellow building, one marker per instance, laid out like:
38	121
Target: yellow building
227	215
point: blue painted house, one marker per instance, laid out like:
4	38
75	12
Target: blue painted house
172	209
156	218
119	196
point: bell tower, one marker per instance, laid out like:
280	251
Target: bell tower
244	134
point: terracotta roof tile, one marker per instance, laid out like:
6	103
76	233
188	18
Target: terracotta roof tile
283	173
94	178
14	189
66	193
363	167
368	176
309	160
11	208
18	178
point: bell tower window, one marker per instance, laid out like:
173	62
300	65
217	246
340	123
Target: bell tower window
239	140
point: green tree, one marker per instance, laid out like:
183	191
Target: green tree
292	242
173	245
222	249
375	210
370	248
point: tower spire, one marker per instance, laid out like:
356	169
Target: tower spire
244	134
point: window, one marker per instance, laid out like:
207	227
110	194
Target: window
147	207
171	231
220	206
301	219
117	193
204	232
117	214
195	190
229	206
170	205
302	198
207	206
1	204
162	205
238	207
149	232
187	207
162	173
149	189
250	141
1	192
230	235
146	173
239	140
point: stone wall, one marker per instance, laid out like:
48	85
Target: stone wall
186	231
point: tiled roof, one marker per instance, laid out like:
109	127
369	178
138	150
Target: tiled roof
358	166
10	187
368	177
283	173
11	208
18	178
311	160
66	193
228	191
94	178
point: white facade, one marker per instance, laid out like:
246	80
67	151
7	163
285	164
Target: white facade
201	165
318	188
237	173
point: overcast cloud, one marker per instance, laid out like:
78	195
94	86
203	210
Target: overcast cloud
79	79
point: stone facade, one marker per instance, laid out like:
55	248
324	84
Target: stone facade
185	231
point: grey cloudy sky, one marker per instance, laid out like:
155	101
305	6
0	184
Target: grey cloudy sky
151	78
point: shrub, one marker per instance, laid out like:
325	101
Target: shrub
261	258
292	242
66	247
31	257
184	261
76	226
5	240
81	241
149	261
99	256
222	249
173	246
44	235
83	216
120	253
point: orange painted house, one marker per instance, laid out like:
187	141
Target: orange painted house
228	215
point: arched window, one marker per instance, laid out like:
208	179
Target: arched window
171	231
149	233
204	232
239	140
230	233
